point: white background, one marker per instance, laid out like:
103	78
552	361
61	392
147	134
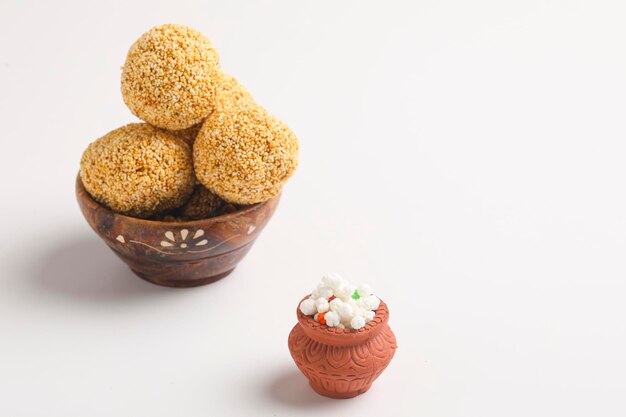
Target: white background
467	159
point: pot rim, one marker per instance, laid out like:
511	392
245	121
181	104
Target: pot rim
83	194
343	337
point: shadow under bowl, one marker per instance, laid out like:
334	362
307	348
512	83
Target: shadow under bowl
178	254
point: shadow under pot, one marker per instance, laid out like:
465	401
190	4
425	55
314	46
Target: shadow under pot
178	254
342	363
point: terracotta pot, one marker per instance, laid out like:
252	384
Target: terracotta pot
178	254
342	363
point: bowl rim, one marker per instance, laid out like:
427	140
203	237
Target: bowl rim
83	194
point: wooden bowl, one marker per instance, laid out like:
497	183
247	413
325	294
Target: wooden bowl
178	254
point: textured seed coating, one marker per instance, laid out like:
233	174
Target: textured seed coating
188	135
244	154
170	77
202	204
230	94
138	170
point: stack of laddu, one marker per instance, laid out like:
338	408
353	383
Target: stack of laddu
206	146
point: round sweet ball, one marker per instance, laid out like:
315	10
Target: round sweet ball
245	156
171	76
138	170
202	204
232	95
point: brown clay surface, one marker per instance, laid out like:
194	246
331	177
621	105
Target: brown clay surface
178	254
342	363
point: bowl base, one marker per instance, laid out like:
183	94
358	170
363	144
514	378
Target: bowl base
173	283
338	395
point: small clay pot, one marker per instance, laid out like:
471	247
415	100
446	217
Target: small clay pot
342	363
178	254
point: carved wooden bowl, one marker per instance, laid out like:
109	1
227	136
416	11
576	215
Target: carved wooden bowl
178	254
342	363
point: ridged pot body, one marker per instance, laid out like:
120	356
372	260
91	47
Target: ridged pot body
341	363
178	254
